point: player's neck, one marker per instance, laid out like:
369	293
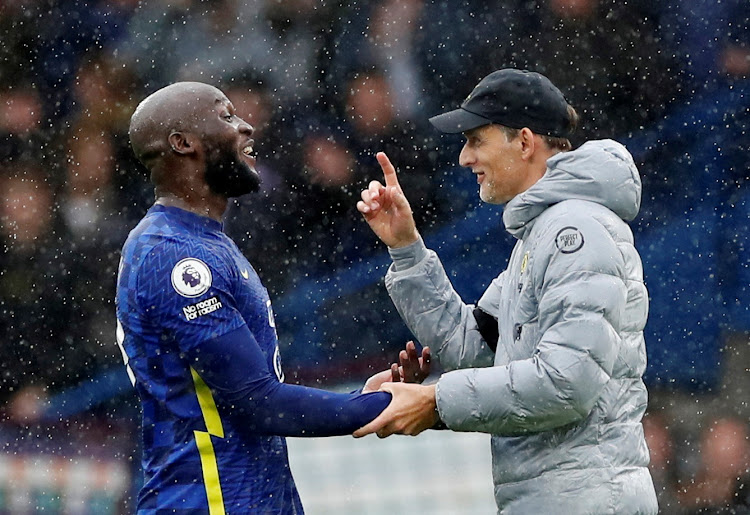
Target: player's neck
211	208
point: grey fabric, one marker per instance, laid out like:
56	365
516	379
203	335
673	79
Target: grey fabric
407	257
563	396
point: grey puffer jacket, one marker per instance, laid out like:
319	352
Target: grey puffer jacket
562	395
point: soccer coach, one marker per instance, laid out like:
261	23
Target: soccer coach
550	360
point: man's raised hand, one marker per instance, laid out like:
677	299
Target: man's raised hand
386	209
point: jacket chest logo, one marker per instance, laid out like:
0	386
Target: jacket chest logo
524	264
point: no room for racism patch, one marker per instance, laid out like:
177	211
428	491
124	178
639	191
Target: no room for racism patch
204	307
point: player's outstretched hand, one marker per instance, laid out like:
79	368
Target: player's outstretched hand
387	210
411	368
374	383
411	411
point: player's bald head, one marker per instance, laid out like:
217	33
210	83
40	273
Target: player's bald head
174	108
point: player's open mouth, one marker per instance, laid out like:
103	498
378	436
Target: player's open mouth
248	150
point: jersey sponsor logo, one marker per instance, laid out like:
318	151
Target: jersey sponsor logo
120	339
191	277
271	318
204	307
569	239
277	364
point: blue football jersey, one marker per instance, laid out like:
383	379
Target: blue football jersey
182	282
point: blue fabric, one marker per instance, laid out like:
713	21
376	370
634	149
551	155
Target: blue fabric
261	404
188	302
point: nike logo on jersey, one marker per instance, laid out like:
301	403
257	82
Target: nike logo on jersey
245	274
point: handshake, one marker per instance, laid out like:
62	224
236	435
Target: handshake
413	406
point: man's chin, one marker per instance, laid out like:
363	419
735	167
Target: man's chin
256	175
489	199
254	181
241	180
245	189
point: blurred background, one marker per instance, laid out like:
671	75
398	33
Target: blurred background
326	84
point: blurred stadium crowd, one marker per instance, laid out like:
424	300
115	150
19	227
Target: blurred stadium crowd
326	84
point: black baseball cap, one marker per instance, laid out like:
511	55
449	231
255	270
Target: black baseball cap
513	98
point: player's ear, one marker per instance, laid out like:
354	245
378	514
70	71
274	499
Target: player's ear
181	143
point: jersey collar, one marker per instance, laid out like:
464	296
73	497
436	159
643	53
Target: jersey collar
188	218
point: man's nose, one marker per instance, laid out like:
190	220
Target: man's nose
246	127
466	157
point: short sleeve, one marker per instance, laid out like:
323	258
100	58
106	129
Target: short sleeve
187	291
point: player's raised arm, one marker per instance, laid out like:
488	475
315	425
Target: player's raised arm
386	209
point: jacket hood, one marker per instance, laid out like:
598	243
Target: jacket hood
600	171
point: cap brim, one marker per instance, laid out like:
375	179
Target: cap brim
458	120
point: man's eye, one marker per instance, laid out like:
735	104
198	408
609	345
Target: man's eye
228	116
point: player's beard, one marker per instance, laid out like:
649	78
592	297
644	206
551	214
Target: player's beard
229	176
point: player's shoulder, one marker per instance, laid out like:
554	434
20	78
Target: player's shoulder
178	264
158	243
147	240
155	226
167	251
